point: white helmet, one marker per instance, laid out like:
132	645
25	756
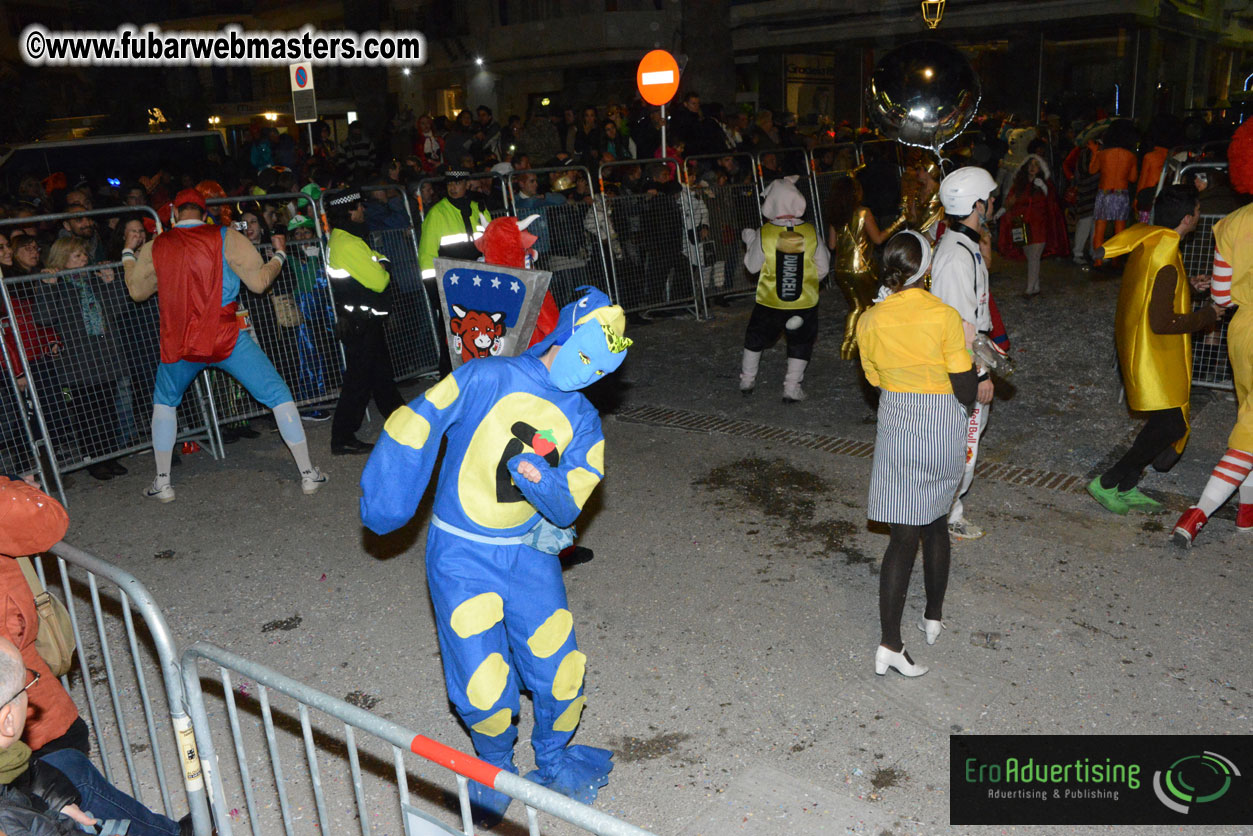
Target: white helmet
963	188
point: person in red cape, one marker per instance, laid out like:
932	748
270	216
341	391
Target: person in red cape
1032	201
197	269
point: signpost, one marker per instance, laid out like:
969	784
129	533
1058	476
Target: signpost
304	102
657	79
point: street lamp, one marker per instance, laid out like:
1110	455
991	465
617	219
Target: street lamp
932	11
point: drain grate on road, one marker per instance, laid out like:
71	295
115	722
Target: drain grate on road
680	419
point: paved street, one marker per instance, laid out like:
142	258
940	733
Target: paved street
730	613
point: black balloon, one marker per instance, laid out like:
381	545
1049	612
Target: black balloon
923	93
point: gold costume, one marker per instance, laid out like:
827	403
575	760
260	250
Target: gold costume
854	271
1156	368
923	209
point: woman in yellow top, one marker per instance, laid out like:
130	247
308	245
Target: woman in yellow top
915	349
852	235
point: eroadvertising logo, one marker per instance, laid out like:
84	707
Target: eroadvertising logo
1211	772
1100	779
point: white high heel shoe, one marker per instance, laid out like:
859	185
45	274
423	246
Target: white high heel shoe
884	659
931	629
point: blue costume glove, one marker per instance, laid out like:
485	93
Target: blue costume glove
550	495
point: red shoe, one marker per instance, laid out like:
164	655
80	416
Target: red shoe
1189	525
1244	518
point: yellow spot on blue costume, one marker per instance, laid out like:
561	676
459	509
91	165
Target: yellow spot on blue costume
488	682
477	614
552	634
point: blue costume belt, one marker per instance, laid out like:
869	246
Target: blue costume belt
543	536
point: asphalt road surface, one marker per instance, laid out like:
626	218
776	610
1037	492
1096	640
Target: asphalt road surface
730	612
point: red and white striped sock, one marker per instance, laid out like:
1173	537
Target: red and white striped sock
1220	281
1230	473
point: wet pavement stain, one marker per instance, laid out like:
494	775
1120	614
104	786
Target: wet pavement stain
631	749
777	489
832	535
362	700
282	624
772	486
888	777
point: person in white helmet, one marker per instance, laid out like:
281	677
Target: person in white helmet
959	277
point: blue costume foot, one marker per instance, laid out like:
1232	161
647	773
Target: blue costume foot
487	806
579	774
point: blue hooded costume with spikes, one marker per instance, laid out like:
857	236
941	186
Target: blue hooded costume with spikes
491	562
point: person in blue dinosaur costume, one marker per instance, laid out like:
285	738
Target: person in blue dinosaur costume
524	452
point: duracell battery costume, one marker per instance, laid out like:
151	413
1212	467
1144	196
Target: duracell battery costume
792	258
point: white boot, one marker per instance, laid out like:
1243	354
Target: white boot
792	390
748	371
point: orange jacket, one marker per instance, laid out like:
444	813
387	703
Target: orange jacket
30	522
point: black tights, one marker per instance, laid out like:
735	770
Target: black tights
1164	428
898	564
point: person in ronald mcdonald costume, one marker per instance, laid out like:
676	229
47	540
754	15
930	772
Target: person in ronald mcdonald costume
1232	284
1152	325
792	258
524	452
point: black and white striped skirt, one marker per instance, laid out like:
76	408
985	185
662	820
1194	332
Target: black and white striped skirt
919	456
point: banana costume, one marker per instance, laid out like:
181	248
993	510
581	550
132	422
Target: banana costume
1156	368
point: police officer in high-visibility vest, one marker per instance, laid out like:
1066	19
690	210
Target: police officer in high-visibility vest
449	229
792	259
360	283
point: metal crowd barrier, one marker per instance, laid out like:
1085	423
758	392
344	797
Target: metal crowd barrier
18	444
845	159
80	367
412	338
731	208
1181	171
130	676
572	237
145	749
293	322
646	233
773	163
1211	365
296	787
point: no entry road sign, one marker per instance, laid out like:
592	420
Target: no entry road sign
657	77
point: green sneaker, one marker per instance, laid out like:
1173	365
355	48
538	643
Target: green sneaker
1108	497
1137	501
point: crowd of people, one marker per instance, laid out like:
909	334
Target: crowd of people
1077	182
910	246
